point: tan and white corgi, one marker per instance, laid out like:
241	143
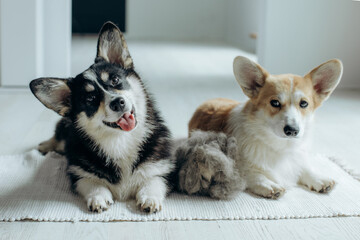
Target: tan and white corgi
273	127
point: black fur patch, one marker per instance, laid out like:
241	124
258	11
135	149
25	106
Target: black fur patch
82	100
81	153
157	146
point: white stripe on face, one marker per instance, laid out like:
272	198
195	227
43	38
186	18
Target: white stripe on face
91	75
292	117
291	84
297	96
282	97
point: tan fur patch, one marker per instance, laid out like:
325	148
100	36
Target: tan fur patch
284	88
310	96
89	88
104	76
101	108
212	115
289	89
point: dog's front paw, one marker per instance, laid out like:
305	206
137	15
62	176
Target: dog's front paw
149	204
272	191
322	185
99	203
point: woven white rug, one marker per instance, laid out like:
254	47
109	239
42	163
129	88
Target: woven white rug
34	187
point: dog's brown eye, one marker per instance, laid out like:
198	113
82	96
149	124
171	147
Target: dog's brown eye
115	81
303	104
275	103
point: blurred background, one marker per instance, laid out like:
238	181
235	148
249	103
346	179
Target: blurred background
183	50
292	36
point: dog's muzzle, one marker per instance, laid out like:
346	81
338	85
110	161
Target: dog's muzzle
126	122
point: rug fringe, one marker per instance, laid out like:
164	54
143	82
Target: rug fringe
345	166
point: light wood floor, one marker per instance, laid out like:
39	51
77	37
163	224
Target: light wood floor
329	229
181	77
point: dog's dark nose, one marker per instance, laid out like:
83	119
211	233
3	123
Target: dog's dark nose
117	104
290	131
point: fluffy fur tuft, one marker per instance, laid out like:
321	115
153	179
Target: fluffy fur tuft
207	167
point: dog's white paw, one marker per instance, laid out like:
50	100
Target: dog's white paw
99	203
149	204
322	185
272	191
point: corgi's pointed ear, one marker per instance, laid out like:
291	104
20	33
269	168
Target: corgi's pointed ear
112	46
54	93
250	76
326	77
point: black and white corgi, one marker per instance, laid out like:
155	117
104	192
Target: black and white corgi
112	135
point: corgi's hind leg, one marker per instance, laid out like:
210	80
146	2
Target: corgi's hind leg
57	142
51	145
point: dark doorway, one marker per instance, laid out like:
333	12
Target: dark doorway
89	15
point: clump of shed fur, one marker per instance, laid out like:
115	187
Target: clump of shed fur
206	163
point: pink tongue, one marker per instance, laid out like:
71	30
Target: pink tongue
127	122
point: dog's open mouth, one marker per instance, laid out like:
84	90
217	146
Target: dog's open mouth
127	122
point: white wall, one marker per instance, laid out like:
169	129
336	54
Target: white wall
176	20
35	40
295	36
57	38
242	20
41	44
227	21
19	52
